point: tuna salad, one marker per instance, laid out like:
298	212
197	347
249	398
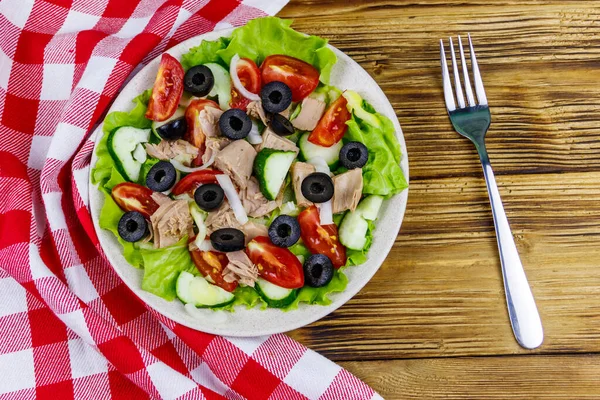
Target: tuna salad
242	177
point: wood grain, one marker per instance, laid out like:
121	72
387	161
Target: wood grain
439	295
542	377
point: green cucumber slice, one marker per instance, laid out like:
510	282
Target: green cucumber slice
309	150
369	207
275	296
353	231
197	291
222	86
271	167
121	144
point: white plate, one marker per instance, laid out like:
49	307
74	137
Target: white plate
346	74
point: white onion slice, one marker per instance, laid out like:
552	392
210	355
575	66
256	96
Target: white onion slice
234	199
254	136
139	154
237	83
182	196
288	208
326	213
320	165
206	245
179	166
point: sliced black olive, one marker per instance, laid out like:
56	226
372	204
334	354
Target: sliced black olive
209	196
317	187
199	80
235	124
276	97
354	155
228	239
281	125
284	231
173	130
132	226
161	177
318	270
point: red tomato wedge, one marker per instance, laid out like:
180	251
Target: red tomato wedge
249	75
167	89
332	126
195	135
275	264
211	264
321	239
191	181
301	77
133	197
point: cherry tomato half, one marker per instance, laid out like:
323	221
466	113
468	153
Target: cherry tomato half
249	75
212	264
133	197
332	126
301	77
275	264
191	181
167	89
195	135
321	239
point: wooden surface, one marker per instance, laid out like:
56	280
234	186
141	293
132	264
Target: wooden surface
433	323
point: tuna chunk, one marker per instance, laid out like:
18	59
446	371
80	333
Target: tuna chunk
254	202
160	198
271	140
300	171
256	110
347	190
237	160
180	150
213	146
310	114
223	217
209	121
253	229
171	222
240	269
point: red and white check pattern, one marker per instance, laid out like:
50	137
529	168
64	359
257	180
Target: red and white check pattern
69	327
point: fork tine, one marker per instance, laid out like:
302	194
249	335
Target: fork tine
457	85
467	80
448	96
477	76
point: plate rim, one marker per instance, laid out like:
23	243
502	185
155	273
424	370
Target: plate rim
321	311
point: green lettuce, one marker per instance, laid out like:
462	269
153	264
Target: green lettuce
262	37
310	295
109	220
163	266
204	53
382	174
105	170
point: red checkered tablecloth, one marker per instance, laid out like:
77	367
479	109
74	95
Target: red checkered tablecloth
69	327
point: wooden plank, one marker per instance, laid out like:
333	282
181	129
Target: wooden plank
527	377
440	291
539	61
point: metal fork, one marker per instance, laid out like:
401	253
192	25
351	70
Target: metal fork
472	122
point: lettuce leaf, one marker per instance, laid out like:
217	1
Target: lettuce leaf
382	174
163	266
104	170
204	53
262	37
310	295
109	220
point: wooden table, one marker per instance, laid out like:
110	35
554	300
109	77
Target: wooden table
433	321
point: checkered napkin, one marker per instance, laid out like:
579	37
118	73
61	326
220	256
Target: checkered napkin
69	327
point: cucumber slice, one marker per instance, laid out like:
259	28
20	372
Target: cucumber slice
271	167
197	291
180	112
222	86
309	150
353	231
355	103
275	296
121	145
369	207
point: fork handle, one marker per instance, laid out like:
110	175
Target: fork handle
523	313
